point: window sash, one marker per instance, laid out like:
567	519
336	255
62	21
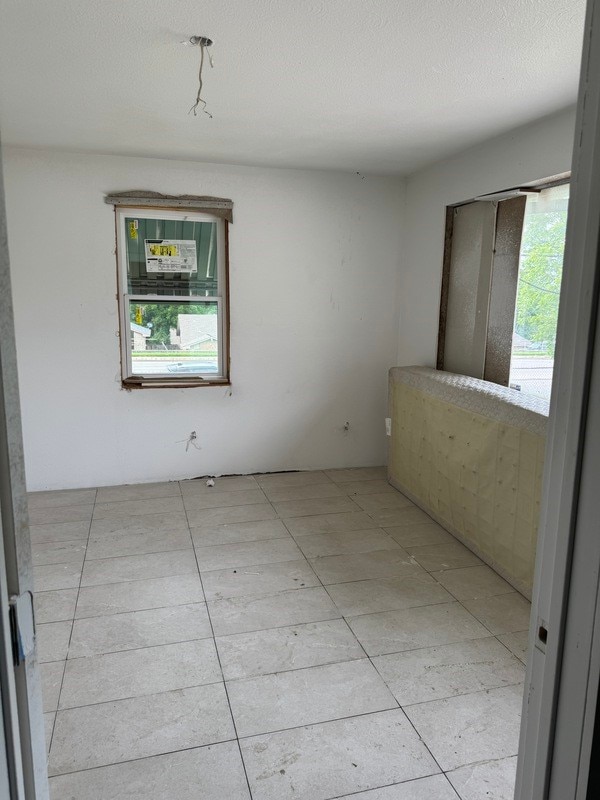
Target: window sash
155	299
127	371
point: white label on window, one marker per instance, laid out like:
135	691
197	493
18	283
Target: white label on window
171	255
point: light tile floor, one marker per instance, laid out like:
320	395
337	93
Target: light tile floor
303	635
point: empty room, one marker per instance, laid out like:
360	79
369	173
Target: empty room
290	354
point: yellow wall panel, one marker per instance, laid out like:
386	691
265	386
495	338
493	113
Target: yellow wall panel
471	455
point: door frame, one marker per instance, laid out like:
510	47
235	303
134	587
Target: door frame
22	710
563	671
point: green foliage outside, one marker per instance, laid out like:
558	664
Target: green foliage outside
161	317
542	250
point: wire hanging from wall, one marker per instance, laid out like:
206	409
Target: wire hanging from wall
204	43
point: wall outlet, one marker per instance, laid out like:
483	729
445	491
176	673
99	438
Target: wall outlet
388	426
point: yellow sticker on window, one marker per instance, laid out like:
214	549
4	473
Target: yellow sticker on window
138	315
164	250
133	229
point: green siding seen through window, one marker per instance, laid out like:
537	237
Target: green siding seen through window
202	282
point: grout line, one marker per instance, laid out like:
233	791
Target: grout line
389	785
135	649
465	694
140	696
237	739
141	758
138	555
335	663
134	555
280	627
137	610
328	721
71	632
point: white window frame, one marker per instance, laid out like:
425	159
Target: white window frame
131	378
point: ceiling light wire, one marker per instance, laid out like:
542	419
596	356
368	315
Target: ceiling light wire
204	44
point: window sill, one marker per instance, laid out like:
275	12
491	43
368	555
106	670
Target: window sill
166	383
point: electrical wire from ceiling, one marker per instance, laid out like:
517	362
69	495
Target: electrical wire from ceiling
204	43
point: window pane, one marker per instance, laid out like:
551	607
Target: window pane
538	291
174	338
171	257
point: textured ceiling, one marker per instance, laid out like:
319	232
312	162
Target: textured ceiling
381	87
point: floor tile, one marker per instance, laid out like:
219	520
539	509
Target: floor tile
138	491
412	628
439	557
517	643
433	673
367	487
58	552
233	483
493	780
262	652
114	598
55	605
323	505
436	787
332	544
140	523
296	672
239	532
258	612
131	568
108	733
51	676
56	576
131	673
387	594
134	629
66	497
46	516
278	479
336	758
243	554
211	773
258	579
59	531
124	543
470	728
357	474
473	583
382	501
506	613
53	640
222	516
193	502
132	508
329	523
312	491
361	566
420	534
301	697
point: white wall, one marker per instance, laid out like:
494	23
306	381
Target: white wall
314	272
526	154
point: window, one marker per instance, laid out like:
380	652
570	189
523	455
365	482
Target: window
501	286
538	291
172	269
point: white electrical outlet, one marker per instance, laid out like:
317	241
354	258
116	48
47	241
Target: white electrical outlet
388	426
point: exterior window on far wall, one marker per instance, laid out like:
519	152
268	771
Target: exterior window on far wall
173	297
538	291
501	279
